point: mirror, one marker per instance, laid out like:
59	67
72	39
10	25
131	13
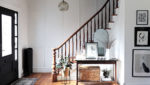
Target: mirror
101	36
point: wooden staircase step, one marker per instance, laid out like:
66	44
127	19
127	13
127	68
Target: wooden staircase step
115	15
111	22
108	28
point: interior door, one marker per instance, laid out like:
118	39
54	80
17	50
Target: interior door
8	59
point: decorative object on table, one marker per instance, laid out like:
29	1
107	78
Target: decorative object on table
106	73
63	6
25	81
142	37
91	51
102	38
142	17
141	63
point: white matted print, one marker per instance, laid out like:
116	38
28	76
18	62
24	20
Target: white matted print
141	63
91	51
142	17
142	38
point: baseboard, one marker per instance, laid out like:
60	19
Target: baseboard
136	84
41	70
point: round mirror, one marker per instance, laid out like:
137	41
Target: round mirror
101	36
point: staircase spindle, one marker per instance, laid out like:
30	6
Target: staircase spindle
69	49
61	52
76	43
84	36
117	1
109	11
98	21
95	24
72	48
87	33
65	49
80	41
106	17
113	7
91	31
102	20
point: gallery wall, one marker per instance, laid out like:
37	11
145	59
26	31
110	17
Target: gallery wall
130	23
21	7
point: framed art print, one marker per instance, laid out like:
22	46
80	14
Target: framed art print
91	51
142	17
141	63
142	37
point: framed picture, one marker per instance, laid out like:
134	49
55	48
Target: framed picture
91	51
142	17
142	37
141	63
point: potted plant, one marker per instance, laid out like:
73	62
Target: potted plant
64	65
106	73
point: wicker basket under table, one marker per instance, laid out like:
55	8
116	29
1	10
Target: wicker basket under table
89	73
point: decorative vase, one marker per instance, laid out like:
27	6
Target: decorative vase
66	72
107	53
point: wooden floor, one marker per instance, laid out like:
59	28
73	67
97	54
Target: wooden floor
46	79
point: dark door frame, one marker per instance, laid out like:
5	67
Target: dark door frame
10	59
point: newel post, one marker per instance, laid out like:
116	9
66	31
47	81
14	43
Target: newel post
54	66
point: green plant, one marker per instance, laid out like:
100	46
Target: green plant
106	73
63	64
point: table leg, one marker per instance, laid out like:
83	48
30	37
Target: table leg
77	74
116	72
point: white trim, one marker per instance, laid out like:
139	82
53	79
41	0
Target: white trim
42	69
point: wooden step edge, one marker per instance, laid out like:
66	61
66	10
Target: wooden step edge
111	22
116	7
114	14
108	28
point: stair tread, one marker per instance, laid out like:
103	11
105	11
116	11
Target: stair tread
114	14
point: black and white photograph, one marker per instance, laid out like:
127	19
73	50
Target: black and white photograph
141	64
91	51
142	17
142	36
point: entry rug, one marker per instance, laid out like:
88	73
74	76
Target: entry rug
25	81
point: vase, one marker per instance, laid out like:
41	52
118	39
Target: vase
66	72
107	53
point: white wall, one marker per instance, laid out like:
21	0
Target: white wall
48	28
87	8
130	24
20	6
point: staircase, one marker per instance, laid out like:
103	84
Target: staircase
76	42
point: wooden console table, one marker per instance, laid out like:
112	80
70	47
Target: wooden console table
114	62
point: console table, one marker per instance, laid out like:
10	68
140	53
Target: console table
114	62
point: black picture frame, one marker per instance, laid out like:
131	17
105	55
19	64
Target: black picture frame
142	36
142	17
140	63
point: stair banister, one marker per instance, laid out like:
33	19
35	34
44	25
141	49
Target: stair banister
88	28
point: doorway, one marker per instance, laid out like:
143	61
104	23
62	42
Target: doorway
8	46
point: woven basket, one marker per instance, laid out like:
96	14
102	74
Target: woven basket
89	73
